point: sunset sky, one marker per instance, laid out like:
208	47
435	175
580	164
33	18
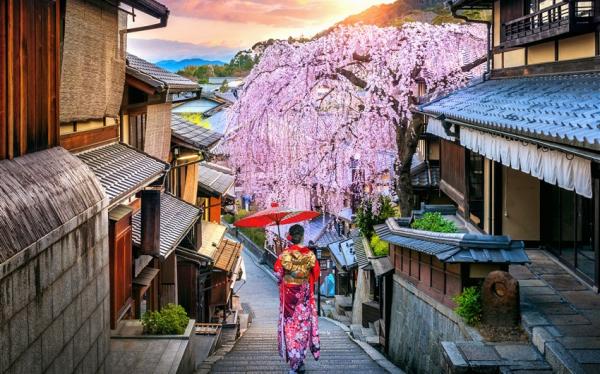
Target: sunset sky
216	29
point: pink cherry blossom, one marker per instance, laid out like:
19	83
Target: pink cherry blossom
308	111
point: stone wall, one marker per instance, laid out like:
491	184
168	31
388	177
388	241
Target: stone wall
54	300
418	325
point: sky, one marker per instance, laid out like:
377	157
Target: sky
217	29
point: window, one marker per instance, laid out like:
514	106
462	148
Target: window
476	189
568	225
137	130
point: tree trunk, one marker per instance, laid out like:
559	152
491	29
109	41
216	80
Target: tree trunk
407	139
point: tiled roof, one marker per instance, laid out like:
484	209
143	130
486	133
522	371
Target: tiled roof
455	248
343	254
122	170
559	108
425	176
158	77
212	234
214	178
382	265
362	258
176	219
228	254
192	135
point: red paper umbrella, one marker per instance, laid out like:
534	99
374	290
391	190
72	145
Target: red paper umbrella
276	216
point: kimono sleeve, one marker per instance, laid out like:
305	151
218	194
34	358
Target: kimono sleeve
278	269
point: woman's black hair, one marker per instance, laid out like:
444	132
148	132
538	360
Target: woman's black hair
297	234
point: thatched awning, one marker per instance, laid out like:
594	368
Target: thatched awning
41	192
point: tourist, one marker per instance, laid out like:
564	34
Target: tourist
297	269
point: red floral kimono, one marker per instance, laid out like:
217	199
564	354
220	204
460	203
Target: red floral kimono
297	270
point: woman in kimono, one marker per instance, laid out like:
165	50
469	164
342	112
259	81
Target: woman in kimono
297	270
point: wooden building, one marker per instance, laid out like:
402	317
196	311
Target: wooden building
61	79
520	152
215	190
191	144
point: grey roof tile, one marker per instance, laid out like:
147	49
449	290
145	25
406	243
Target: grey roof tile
158	77
176	219
192	135
559	108
359	249
214	178
455	248
425	176
343	253
121	169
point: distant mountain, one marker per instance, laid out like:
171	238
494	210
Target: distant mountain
174	65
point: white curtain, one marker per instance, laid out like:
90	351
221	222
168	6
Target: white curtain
555	167
434	126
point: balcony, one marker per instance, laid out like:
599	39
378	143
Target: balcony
562	18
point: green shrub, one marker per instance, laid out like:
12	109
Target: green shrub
434	222
171	320
378	246
469	305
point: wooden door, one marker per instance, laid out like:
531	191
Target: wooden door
120	268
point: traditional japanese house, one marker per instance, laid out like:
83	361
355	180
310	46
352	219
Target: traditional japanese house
520	151
146	111
190	145
211	271
215	190
61	81
145	225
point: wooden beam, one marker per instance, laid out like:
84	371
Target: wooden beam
79	141
138	84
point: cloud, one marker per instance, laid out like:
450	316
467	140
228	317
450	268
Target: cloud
159	49
282	13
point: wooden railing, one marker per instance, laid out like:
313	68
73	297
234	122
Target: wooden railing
555	20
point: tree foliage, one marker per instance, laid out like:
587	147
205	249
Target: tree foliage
309	110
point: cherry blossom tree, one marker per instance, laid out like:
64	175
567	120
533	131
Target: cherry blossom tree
334	114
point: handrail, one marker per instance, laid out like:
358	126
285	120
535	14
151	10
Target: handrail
539	12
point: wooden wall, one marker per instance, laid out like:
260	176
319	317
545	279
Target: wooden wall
29	76
439	280
453	172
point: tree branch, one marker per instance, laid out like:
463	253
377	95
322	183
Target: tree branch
474	64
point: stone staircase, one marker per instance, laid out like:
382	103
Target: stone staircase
338	308
369	335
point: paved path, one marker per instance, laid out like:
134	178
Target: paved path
256	351
567	310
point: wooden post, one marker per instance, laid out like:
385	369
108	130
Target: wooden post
150	222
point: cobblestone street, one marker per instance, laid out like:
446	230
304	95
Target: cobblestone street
256	351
